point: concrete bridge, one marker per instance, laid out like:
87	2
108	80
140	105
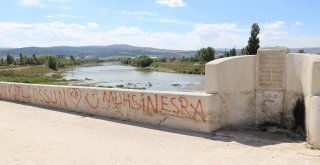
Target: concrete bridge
273	88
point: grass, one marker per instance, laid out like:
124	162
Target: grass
32	74
178	66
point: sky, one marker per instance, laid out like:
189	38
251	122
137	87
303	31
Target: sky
168	24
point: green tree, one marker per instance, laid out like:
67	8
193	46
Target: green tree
2	61
300	51
233	52
143	61
206	54
253	42
125	60
244	51
35	59
21	59
53	63
73	59
226	54
10	59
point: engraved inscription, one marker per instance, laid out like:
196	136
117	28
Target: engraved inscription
271	71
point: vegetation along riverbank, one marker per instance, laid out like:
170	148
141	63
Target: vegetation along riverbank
44	69
189	65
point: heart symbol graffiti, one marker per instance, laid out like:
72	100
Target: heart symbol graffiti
74	95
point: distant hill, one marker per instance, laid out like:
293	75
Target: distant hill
115	50
306	50
98	51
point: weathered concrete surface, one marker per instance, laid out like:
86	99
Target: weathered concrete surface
31	135
232	80
188	111
270	85
231	74
275	88
313	121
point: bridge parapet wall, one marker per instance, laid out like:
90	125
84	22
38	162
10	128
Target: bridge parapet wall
181	110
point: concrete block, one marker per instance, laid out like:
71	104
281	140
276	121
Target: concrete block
230	74
237	109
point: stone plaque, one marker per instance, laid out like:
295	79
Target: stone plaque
271	68
269	106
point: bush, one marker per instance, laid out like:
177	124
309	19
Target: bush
125	60
10	59
53	63
206	54
141	61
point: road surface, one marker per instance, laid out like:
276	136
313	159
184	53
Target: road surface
33	135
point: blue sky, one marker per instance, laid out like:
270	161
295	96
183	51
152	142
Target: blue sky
171	24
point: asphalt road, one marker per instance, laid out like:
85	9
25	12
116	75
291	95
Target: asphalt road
33	135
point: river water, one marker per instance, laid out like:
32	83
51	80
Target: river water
112	75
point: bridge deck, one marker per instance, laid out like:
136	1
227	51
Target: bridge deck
32	135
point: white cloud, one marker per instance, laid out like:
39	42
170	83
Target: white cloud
92	25
66	16
32	3
214	27
224	35
273	33
139	13
59	33
305	41
274	25
298	23
172	21
172	3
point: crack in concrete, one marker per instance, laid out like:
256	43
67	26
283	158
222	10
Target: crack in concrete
161	121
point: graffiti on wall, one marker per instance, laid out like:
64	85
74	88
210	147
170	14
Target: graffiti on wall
99	100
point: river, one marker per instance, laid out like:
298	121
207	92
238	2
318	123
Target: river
112	75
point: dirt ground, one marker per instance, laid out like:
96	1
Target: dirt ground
33	135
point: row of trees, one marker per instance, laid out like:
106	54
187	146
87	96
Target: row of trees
231	52
203	55
208	54
23	60
53	62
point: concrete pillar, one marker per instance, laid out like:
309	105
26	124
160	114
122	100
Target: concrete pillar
313	110
270	85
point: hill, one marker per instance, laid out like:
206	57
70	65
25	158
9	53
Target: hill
306	50
115	50
98	51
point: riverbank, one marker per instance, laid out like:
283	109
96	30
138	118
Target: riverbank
38	74
184	66
178	67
